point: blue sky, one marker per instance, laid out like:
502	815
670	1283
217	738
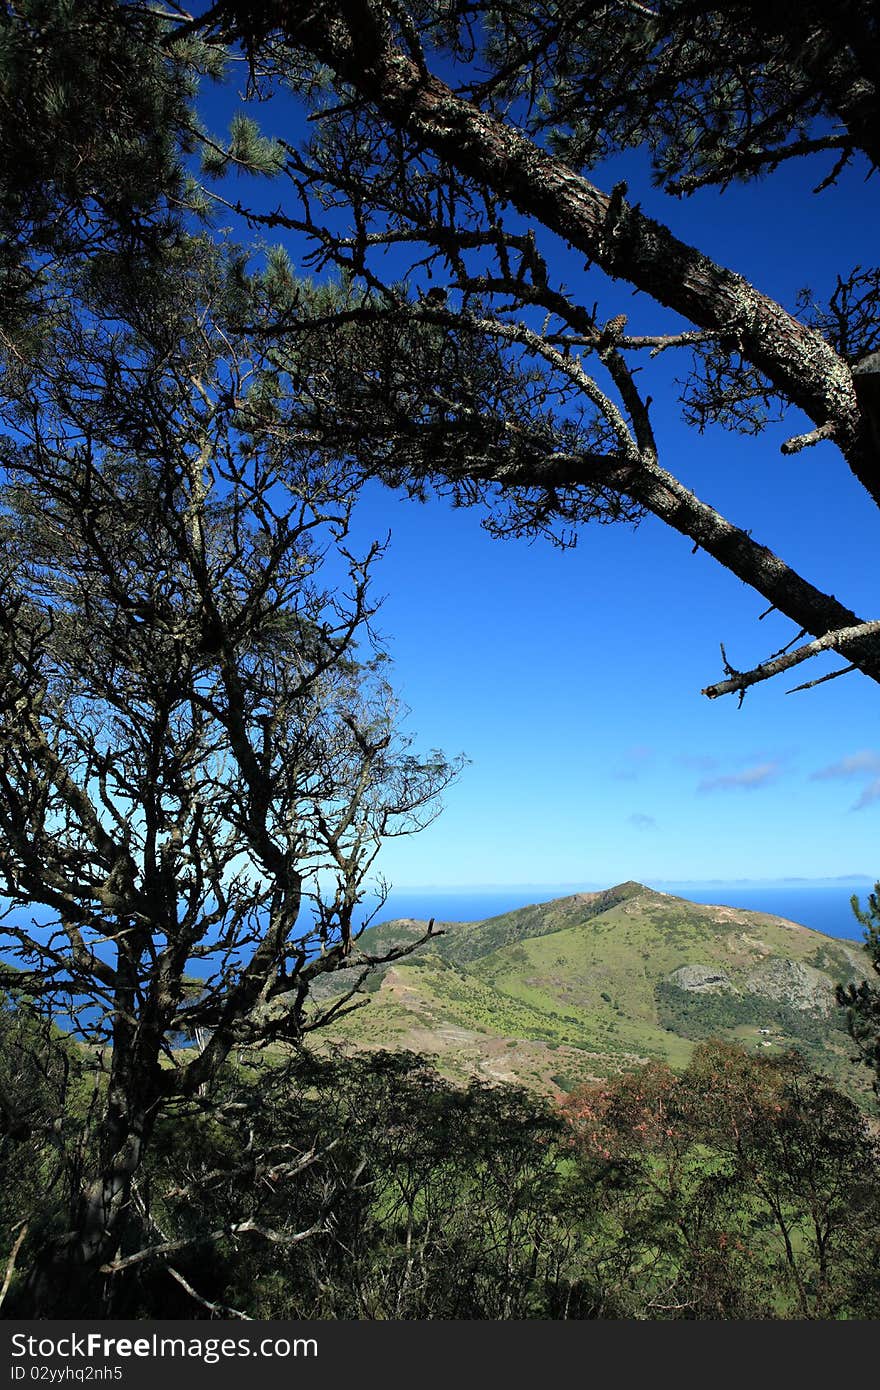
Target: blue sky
571	680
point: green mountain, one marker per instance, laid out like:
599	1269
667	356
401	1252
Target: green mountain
588	985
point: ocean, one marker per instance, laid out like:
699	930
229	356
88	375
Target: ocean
824	907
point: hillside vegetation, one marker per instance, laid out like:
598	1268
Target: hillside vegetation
677	1177
589	985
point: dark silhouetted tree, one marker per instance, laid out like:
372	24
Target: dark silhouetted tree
199	752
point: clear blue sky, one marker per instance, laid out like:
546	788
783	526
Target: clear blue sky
571	680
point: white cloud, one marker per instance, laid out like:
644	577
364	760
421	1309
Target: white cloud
854	765
749	779
869	795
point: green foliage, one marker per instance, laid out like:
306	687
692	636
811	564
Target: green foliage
426	1200
597	974
44	1096
705	1015
743	1187
94	115
247	152
862	1001
359	1188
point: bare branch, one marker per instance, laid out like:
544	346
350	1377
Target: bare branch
806	441
153	1253
221	1310
839	640
820	680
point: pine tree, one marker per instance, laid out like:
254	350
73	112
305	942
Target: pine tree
93	114
862	1001
465	145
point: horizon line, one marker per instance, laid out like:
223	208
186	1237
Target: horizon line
589	885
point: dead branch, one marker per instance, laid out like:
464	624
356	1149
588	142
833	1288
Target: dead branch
174	1247
806	441
839	640
221	1310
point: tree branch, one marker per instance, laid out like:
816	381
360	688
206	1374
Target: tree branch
10	1263
842	640
236	1228
616	236
806	441
219	1309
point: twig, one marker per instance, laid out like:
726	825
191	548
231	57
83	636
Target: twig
832	676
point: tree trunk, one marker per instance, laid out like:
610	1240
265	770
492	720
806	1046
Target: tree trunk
66	1278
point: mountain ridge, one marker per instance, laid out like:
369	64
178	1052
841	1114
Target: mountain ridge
593	983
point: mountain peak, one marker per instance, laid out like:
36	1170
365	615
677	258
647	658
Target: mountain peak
586	985
628	889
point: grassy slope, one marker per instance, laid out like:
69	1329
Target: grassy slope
553	993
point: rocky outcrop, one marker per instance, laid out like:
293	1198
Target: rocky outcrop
702	979
793	983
